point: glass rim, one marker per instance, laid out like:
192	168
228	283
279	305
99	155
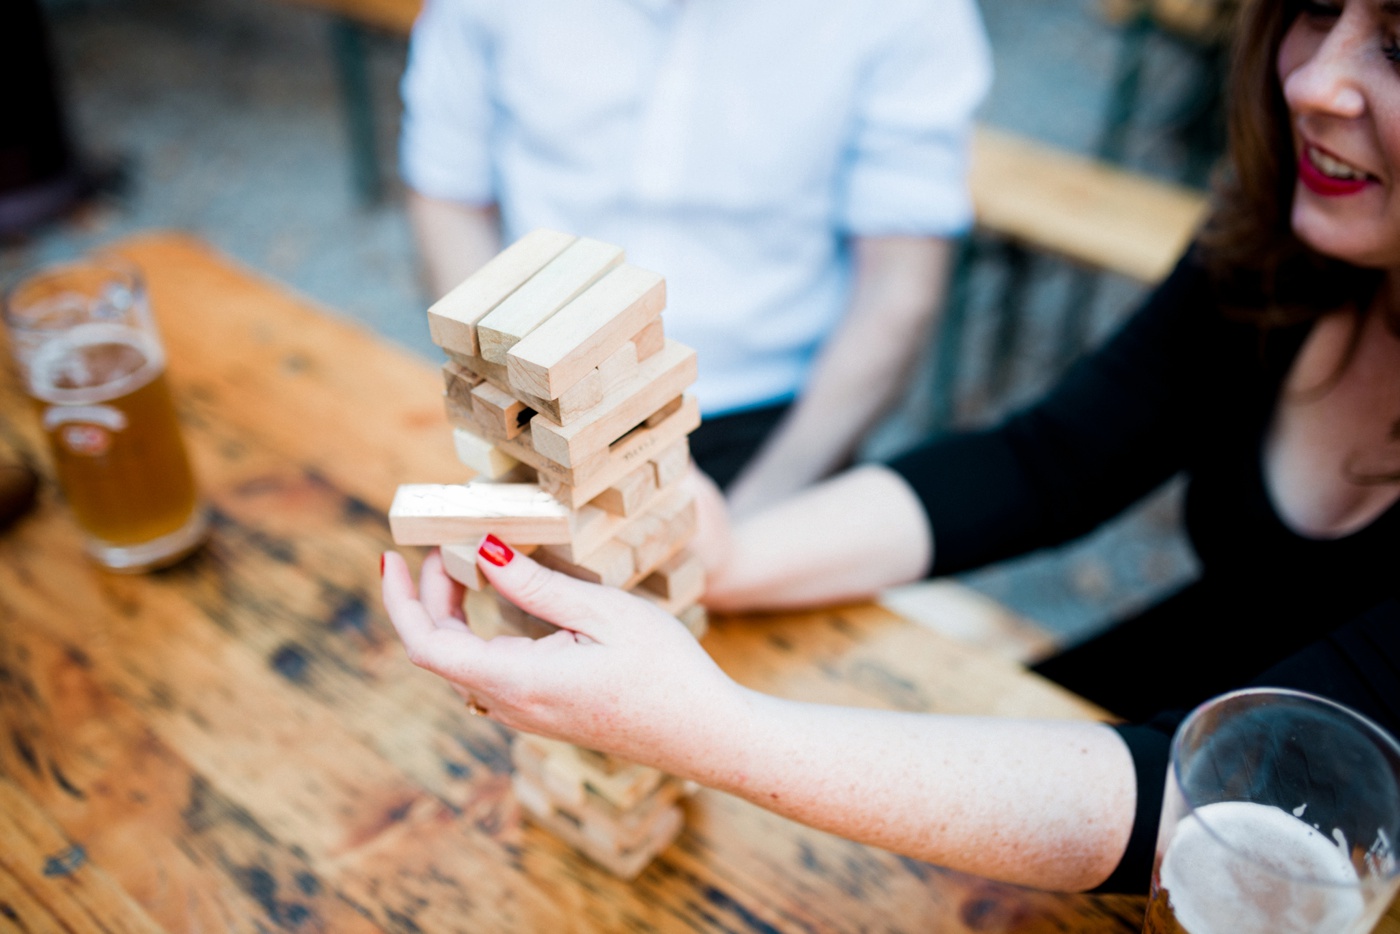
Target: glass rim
1368	726
13	283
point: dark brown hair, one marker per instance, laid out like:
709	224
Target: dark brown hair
1264	271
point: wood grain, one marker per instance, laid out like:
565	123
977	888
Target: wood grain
239	744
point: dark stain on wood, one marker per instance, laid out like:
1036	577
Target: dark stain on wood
402	922
206	809
723	902
308	884
292	662
62	781
261	886
26	752
779	643
493	753
349	612
278	549
65	862
885	684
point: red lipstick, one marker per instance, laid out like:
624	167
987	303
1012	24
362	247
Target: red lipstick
1316	181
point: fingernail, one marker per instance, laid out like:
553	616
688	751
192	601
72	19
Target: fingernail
381	565
496	551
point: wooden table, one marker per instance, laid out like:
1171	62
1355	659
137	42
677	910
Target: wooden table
239	744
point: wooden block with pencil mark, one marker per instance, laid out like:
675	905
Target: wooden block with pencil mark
671	464
452	319
658	381
436	514
586	332
571	273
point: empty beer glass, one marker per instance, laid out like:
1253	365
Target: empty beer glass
91	359
1281	816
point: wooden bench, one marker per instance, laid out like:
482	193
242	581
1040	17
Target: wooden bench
1085	210
1032	199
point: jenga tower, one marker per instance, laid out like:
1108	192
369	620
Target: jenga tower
568	402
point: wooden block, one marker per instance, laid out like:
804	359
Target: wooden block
482	456
625	864
452	319
458	382
578	398
661	414
586	332
568	275
630	494
679	578
658	381
437	514
695	619
459	561
671	464
499	409
619	366
575	486
650	339
493	372
647	539
612	564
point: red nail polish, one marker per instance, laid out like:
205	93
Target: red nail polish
496	551
381	565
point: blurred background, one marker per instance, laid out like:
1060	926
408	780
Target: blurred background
268	128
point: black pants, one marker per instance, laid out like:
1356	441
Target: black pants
724	444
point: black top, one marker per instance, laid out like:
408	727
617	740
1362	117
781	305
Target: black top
1181	387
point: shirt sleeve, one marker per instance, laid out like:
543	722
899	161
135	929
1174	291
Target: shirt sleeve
1118	424
905	168
1356	665
444	142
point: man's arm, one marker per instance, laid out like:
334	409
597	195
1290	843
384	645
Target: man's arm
454	239
860	372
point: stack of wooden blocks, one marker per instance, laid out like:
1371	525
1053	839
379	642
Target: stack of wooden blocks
568	402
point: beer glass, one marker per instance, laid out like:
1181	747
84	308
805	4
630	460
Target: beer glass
91	359
1281	816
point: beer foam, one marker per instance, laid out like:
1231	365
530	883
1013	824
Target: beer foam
94	363
1259	883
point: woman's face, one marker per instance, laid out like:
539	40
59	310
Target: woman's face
1339	64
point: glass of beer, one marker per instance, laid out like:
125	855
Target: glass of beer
1281	816
91	359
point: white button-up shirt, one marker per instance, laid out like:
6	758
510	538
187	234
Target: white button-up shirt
731	145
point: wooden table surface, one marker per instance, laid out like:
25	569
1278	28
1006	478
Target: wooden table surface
239	744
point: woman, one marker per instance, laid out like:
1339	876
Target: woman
1267	368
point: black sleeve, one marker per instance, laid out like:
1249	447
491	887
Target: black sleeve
1115	427
1357	665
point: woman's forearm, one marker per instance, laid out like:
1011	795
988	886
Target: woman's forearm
1048	804
844	539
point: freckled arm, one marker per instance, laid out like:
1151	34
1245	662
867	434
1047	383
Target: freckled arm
1048	804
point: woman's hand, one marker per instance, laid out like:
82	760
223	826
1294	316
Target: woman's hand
620	676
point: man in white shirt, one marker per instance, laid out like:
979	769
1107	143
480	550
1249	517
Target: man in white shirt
794	169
